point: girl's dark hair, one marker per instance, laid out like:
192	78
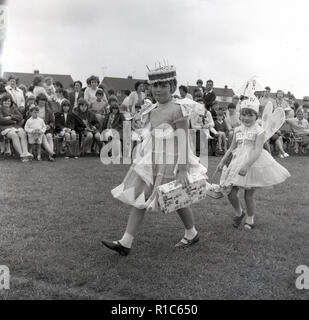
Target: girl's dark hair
6	97
250	112
61	90
82	101
231	106
137	84
93	78
59	84
37	80
183	88
127	92
172	83
111	92
41	97
81	84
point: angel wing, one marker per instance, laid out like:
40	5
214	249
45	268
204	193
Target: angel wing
272	121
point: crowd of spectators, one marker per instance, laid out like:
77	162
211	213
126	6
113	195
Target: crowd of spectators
76	121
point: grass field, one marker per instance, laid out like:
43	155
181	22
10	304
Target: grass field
53	216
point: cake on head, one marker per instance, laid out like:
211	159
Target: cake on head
161	74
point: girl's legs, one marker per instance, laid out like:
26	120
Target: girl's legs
23	141
233	197
16	142
67	140
39	151
47	146
86	142
250	206
187	218
49	138
220	141
279	144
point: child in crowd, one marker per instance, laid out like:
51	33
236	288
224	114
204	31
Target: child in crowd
251	166
35	128
100	107
300	127
65	129
222	130
91	129
139	187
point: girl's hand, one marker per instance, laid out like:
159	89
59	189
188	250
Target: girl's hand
243	171
182	177
220	167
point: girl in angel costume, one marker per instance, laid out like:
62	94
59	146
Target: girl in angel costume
158	160
251	166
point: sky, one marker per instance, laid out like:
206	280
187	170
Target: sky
223	40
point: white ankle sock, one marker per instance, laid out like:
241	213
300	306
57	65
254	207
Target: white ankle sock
190	233
126	240
250	220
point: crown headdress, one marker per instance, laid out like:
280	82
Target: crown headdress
163	73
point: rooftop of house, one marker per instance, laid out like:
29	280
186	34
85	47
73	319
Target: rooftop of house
121	83
27	78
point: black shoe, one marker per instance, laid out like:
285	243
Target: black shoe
116	247
238	220
184	242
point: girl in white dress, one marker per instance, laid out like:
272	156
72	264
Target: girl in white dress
251	166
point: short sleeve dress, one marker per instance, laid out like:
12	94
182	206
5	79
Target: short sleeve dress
264	172
157	158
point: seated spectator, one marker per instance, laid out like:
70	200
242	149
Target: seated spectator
183	91
100	107
38	88
90	92
35	128
266	98
47	115
305	109
65	124
17	94
91	129
300	127
232	120
113	121
222	130
10	127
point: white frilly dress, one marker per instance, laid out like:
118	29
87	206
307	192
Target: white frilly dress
157	157
265	171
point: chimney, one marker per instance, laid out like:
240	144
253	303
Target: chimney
36	71
225	87
130	77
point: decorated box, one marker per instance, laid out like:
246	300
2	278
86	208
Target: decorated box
174	196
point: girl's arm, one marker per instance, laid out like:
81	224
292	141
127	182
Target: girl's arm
43	126
228	153
183	125
254	155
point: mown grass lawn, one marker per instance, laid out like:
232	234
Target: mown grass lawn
53	216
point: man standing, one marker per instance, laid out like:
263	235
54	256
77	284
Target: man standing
266	98
209	95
